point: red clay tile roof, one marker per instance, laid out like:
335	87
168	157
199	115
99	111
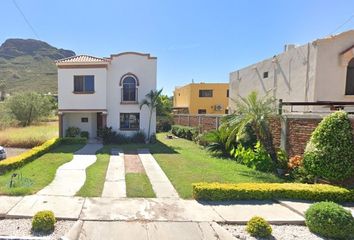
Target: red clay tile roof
82	59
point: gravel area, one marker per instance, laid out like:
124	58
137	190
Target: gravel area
22	228
280	232
11	152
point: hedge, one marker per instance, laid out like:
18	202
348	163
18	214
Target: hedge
247	191
73	140
28	156
184	132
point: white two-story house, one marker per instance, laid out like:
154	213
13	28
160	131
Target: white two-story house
97	92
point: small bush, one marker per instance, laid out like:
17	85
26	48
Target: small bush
138	137
26	157
282	159
164	124
74	140
258	227
256	158
43	222
218	142
247	191
184	132
72	132
330	152
85	134
295	162
120	138
107	135
330	220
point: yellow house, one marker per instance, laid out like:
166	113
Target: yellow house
201	98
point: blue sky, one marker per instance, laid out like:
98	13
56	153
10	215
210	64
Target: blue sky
202	40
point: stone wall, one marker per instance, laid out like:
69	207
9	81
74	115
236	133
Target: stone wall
291	132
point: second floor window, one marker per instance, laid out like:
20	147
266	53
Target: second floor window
129	89
84	84
205	93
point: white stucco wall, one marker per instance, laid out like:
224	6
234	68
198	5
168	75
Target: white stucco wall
144	69
69	100
331	72
74	120
286	76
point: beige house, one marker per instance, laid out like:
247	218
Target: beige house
321	70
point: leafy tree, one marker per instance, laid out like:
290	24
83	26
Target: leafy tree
330	151
254	111
28	107
152	102
164	113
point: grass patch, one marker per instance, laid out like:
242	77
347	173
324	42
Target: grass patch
40	172
28	137
138	185
96	175
185	163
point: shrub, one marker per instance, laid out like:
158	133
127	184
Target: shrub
74	140
330	220
282	159
330	152
258	227
107	135
85	134
43	222
20	160
218	142
295	162
246	191
164	124
120	138
257	159
72	132
184	132
138	137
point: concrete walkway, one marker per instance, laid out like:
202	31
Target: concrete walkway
114	186
92	230
158	179
71	176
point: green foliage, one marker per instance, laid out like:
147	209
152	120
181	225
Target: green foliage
151	101
72	132
73	140
257	158
330	152
246	191
43	222
218	142
28	107
188	133
85	134
258	227
282	159
138	137
254	111
331	220
164	123
28	156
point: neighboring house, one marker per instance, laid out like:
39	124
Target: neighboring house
97	92
322	70
201	98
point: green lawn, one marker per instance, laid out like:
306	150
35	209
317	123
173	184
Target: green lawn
185	162
28	137
38	173
138	185
96	175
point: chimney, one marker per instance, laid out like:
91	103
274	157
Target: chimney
288	47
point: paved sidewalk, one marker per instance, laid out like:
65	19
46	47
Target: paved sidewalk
114	186
153	231
158	179
71	176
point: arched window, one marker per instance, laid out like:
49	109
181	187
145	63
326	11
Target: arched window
129	89
349	86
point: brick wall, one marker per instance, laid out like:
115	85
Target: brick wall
298	129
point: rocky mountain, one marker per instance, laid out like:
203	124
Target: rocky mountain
28	64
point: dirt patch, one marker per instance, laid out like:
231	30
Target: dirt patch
11	152
133	164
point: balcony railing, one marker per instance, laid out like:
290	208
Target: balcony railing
326	106
129	96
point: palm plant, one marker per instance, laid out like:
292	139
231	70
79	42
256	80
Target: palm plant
218	142
254	111
151	101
